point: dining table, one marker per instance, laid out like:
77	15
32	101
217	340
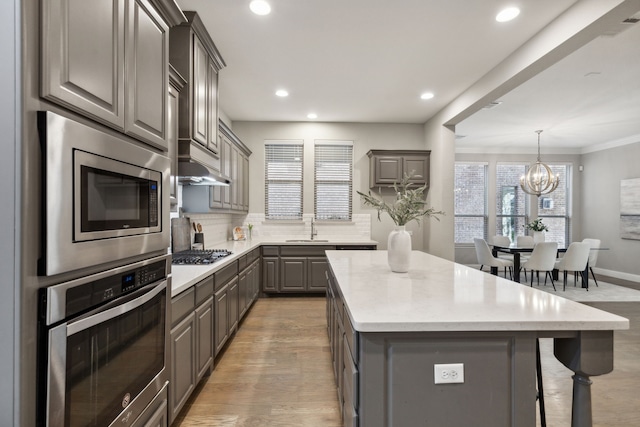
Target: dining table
516	251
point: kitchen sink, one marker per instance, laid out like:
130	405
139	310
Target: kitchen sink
305	241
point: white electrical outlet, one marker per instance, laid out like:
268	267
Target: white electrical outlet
449	373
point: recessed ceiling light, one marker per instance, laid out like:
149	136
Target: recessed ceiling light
260	7
427	95
282	93
312	116
507	14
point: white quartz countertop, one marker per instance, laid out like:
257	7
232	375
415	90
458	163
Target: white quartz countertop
440	295
185	276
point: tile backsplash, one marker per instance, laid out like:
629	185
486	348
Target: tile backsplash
217	227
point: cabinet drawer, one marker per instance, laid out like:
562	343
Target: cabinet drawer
225	274
351	336
270	251
305	250
182	305
204	289
242	262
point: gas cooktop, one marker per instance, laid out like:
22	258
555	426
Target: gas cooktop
198	257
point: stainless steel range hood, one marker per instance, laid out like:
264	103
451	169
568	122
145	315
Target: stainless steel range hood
198	166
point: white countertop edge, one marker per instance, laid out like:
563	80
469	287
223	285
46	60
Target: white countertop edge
536	326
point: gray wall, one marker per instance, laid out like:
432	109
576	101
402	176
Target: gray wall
600	205
9	243
366	136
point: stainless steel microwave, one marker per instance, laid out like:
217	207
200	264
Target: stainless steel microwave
105	199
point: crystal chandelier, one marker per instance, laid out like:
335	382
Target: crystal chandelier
539	179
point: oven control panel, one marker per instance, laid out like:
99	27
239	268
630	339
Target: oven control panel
82	297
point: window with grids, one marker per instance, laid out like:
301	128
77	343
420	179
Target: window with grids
283	179
511	201
333	180
470	200
554	210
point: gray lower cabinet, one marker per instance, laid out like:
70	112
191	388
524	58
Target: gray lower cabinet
155	415
204	344
191	342
234	297
294	268
222	318
183	364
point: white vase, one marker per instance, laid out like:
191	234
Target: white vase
538	236
399	250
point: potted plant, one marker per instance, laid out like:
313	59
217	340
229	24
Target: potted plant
537	227
409	205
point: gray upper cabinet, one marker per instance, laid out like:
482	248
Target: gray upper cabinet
234	165
387	167
195	56
176	83
109	60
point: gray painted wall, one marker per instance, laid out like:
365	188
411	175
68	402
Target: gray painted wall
600	205
366	136
9	243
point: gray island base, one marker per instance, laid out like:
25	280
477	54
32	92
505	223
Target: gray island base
448	345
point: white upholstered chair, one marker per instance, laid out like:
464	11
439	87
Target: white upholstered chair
524	242
505	242
543	258
575	259
593	255
485	257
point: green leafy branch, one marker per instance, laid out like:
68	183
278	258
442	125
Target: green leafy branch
408	206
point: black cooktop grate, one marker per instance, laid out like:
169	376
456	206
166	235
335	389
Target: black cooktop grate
206	256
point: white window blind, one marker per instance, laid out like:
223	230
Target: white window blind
283	179
333	180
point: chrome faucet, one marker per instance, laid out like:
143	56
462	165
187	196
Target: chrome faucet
314	232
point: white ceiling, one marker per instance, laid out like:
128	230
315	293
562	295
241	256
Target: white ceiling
369	61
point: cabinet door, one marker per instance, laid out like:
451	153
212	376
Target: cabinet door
270	267
200	98
183	363
204	344
234	293
147	74
243	293
388	170
226	172
245	183
419	165
234	178
317	269
82	57
293	274
212	107
172	142
221	303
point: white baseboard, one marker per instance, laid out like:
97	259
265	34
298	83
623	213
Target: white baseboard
618	274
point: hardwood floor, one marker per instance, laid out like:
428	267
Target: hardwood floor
277	372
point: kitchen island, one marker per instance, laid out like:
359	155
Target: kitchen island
445	344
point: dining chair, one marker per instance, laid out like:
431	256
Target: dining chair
524	242
503	241
575	259
543	258
593	255
485	257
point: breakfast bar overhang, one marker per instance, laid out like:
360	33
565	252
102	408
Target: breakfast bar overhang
389	330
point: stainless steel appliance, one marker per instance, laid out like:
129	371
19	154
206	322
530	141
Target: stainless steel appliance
102	346
105	199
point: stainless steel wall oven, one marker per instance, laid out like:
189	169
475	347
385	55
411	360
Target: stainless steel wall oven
103	346
105	199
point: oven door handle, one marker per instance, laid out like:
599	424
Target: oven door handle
103	316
